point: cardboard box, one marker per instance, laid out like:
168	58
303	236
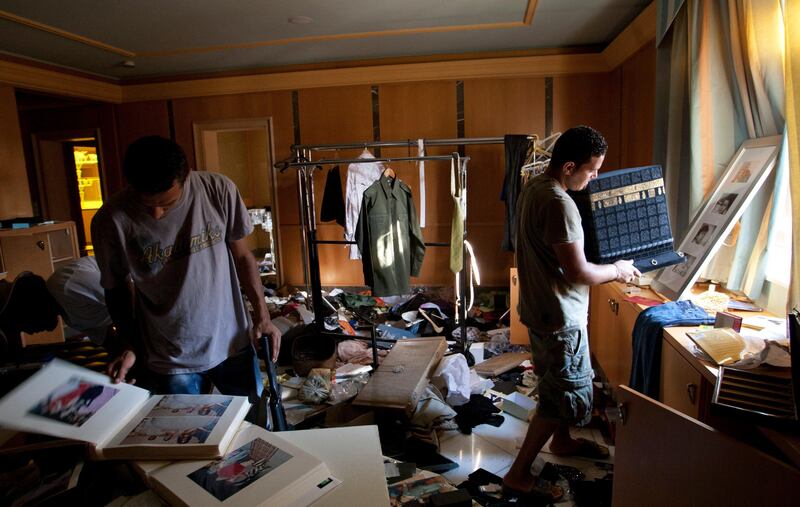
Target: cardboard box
519	405
400	380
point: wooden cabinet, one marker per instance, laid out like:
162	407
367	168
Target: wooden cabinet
611	321
40	250
682	387
663	458
519	333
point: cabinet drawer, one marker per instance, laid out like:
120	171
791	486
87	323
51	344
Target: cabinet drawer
61	244
29	252
682	387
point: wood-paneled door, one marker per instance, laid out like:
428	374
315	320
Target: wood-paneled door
243	151
70	189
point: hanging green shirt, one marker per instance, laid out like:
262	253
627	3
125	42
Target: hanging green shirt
389	237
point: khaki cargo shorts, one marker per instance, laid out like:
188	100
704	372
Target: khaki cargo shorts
561	361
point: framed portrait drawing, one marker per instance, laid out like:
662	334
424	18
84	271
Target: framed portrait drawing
744	176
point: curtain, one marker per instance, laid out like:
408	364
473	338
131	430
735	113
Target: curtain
791	16
720	81
666	12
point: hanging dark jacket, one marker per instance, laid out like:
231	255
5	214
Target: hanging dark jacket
516	149
389	237
332	199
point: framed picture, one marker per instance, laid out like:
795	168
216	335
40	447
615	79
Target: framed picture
740	181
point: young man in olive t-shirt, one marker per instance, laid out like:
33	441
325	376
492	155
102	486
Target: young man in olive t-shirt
554	299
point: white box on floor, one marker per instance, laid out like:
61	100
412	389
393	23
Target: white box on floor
519	405
477	351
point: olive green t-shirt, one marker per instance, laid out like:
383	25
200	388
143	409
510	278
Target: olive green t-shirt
547	216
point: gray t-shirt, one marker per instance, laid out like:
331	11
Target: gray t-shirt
190	310
76	287
547	216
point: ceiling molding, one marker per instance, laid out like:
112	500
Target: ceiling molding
548	65
370	62
529	10
527	18
65	34
641	31
331	37
32	77
637	34
526	21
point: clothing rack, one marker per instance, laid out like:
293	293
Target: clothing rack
305	183
406	143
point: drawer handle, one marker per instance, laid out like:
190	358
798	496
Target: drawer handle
691	390
40	244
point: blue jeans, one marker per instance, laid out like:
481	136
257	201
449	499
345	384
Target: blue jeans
238	375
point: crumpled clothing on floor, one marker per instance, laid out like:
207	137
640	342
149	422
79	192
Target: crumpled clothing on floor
432	412
357	352
478	410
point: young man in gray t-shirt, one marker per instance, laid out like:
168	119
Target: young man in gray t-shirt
554	278
179	237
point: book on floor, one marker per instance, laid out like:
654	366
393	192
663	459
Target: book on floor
260	468
122	421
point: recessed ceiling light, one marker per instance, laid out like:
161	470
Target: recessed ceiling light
127	63
300	20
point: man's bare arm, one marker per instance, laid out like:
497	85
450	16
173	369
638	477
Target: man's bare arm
119	301
247	270
578	270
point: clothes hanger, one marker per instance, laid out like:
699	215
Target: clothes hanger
389	172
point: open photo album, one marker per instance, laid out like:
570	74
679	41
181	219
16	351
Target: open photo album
122	421
260	468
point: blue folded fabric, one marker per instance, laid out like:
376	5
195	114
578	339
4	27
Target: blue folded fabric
647	333
385	331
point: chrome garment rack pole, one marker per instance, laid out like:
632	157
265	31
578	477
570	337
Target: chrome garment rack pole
407	142
305	173
301	155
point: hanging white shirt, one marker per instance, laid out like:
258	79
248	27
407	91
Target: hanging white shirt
359	178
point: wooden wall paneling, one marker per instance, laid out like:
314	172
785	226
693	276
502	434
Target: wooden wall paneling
637	107
138	119
278	107
424	110
275	105
108	150
229	107
55	203
590	99
329	116
15	198
495	107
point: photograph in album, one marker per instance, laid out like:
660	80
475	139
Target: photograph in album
260	469
240	468
121	421
74	401
189	404
174	430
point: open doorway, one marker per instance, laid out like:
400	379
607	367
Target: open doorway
69	174
242	150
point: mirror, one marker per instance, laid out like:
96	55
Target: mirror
242	151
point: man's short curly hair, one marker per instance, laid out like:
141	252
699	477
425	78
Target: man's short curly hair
153	163
578	144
